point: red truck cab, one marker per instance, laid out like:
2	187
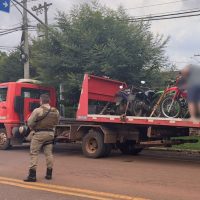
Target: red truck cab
17	101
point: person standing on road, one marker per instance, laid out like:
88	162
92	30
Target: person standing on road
192	74
42	122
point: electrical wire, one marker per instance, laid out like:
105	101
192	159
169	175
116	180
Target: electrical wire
13	4
16	30
164	18
152	5
171	14
10	29
174	15
17	7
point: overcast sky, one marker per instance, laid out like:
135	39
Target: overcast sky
184	33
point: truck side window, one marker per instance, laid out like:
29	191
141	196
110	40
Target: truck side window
33	93
3	94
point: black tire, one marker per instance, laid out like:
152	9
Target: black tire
128	148
137	109
93	144
4	140
175	111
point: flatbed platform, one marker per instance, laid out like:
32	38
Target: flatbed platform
144	121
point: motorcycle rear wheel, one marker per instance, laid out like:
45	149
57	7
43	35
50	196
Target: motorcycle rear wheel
170	108
137	108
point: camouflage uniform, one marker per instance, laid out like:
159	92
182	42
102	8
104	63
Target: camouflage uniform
43	134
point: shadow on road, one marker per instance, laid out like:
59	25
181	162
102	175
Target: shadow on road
74	150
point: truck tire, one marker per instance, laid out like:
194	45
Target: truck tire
93	145
4	140
128	148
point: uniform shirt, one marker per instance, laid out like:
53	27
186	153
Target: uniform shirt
37	113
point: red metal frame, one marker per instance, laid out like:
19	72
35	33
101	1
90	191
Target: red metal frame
102	89
178	93
99	89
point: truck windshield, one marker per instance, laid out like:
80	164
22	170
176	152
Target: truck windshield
3	94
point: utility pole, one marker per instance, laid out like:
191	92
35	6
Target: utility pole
39	10
26	45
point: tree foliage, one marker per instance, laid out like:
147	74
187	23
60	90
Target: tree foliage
100	41
97	40
10	66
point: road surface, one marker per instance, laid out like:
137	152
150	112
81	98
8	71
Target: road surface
151	175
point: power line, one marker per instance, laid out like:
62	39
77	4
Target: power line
17	8
2	34
171	14
152	5
14	4
164	18
174	15
16	30
9	29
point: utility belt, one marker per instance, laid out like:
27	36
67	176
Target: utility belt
41	130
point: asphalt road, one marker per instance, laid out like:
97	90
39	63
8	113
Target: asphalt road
151	175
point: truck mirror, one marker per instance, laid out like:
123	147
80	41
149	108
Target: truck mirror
19	104
33	106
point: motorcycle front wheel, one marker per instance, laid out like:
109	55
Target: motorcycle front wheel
170	107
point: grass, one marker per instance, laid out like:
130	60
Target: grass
188	146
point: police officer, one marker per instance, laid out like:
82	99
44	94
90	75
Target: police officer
42	122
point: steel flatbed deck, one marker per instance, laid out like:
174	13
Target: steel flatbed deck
151	121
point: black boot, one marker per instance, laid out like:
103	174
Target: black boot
32	176
49	174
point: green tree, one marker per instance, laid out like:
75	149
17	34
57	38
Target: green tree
100	41
10	67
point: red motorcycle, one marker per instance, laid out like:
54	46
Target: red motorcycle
174	104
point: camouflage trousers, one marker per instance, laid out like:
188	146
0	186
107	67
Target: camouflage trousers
37	143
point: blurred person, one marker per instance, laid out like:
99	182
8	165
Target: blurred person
192	75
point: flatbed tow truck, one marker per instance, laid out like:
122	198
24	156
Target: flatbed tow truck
99	133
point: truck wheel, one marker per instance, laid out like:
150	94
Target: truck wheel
93	145
129	149
4	141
